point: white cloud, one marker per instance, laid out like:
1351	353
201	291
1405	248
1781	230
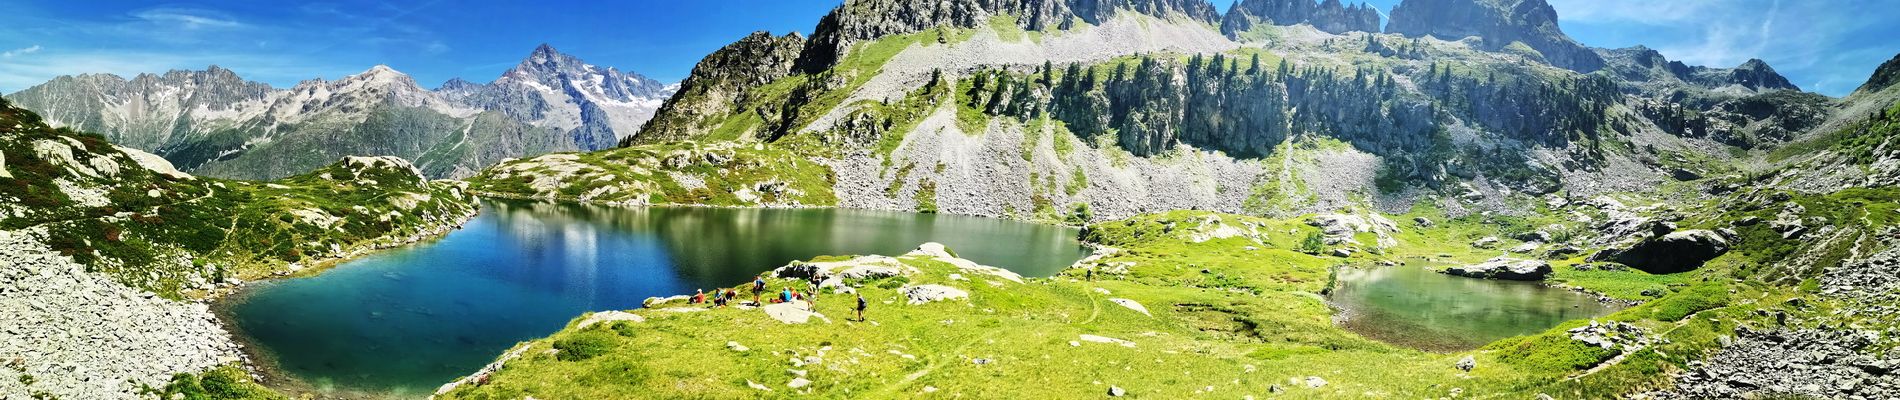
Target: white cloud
22	51
26	72
188	18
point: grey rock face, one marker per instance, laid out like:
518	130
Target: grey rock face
1504	268
722	80
1498	23
859	20
1670	253
1886	76
152	112
596	106
1328	16
1641	66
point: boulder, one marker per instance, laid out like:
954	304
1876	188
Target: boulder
1675	252
1504	268
1132	305
1466	364
796	312
1486	242
921	294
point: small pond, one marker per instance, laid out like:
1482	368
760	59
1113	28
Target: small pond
1413	306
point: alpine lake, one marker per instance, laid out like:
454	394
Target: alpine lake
401	322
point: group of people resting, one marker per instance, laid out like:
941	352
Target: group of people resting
719	297
786	295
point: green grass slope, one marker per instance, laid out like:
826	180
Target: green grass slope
1235	312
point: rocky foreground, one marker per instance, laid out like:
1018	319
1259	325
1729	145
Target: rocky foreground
1818	358
74	334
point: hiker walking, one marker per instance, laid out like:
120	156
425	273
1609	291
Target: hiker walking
816	280
861	305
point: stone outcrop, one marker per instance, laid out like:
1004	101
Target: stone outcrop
1670	253
1327	16
1498	23
921	294
1504	268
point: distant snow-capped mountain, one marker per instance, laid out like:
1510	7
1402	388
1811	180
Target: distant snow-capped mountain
214	122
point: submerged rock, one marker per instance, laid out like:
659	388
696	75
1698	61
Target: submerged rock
1504	268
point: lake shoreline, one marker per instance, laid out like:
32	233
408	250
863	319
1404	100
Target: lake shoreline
262	364
852	228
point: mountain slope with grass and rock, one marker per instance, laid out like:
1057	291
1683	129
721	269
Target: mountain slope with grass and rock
110	253
1227	164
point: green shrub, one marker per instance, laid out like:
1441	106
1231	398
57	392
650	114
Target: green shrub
1675	306
1313	244
583	345
1551	352
222	383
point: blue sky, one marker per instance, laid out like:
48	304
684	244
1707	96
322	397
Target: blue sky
1824	46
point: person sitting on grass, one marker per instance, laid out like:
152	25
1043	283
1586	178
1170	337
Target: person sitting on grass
719	298
785	295
699	297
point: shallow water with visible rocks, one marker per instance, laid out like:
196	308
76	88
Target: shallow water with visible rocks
1413	306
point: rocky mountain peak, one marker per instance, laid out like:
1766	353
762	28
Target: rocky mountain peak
1886	76
1497	23
548	69
457	84
1756	74
379	75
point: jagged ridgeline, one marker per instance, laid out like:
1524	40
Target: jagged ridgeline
1450	91
216	123
132	216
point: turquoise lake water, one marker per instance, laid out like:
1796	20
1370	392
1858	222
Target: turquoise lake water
403	321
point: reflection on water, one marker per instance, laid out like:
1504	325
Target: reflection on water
401	322
1413	306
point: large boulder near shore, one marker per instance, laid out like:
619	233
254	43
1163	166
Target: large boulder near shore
1504	268
1675	252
